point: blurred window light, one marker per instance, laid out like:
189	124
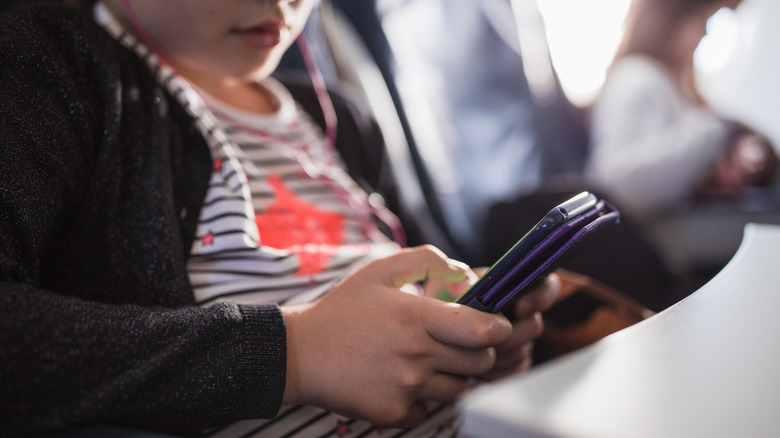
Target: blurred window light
717	47
583	37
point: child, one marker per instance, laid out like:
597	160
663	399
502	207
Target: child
150	164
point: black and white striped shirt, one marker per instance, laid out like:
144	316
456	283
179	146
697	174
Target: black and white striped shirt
281	222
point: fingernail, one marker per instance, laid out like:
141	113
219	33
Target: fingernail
457	266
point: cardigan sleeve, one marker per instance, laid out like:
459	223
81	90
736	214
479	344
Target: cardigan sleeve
97	323
67	361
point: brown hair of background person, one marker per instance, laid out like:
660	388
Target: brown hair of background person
654	27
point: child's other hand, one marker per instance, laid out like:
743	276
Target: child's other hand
515	355
369	351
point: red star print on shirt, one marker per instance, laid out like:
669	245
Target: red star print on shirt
218	165
343	428
297	226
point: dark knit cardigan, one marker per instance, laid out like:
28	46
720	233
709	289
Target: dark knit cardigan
102	177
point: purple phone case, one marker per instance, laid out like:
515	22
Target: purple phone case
581	226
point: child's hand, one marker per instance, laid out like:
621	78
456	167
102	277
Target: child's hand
368	351
514	355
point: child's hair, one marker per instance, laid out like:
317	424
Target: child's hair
650	25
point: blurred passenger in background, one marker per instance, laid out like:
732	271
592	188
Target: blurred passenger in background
656	144
498	115
514	145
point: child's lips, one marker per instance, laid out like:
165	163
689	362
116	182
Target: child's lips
263	36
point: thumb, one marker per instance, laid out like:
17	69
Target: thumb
413	265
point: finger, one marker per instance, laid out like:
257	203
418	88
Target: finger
449	291
416	414
413	265
445	388
480	271
461	361
523	331
538	300
518	363
514	358
463	326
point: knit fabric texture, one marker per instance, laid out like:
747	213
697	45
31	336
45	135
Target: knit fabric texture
102	177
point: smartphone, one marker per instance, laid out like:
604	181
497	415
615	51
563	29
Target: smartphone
538	252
